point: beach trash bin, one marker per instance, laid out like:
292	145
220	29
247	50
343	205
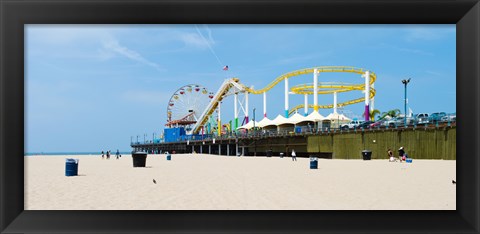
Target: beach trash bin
139	159
169	157
367	154
281	155
269	153
313	162
71	167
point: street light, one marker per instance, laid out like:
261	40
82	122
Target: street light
405	82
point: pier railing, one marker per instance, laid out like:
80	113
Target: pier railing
305	130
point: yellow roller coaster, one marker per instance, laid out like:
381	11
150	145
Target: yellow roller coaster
329	88
325	88
305	71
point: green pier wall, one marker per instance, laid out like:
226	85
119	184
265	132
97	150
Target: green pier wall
418	143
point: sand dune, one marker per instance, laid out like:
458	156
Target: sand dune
210	182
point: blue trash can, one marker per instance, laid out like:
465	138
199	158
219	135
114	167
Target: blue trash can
71	167
298	129
169	157
313	162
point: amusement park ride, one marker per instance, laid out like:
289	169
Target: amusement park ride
192	107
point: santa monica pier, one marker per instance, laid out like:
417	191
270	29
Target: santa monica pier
195	125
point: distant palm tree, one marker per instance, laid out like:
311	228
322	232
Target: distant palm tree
372	114
392	113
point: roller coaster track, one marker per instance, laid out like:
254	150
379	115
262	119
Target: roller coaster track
342	104
224	88
305	71
228	84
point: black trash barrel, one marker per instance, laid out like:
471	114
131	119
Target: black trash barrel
269	153
71	167
313	162
139	159
367	154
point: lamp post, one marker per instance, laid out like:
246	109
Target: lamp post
405	82
254	133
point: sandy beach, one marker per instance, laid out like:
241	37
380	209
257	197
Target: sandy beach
212	182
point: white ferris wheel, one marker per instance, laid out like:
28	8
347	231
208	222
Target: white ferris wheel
187	104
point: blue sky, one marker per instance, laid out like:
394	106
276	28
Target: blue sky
90	88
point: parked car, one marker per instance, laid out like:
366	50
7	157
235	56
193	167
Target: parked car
352	124
421	118
390	123
401	121
449	118
378	123
436	117
365	124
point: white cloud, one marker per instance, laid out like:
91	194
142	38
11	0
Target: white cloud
114	46
193	39
427	33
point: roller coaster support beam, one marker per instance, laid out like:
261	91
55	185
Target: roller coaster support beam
286	97
264	104
367	95
335	102
372	101
236	112
246	107
306	104
219	128
315	89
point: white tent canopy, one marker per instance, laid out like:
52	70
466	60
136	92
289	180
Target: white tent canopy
279	120
314	117
339	117
249	125
265	122
296	118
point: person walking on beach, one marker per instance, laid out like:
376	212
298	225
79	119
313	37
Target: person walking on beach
294	156
117	154
108	154
103	154
390	156
401	154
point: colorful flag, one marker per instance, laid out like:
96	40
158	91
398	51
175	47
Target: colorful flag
225	68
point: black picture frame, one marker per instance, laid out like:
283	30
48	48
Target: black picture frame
14	14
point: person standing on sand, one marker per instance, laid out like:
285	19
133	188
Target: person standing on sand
390	156
401	154
117	154
294	155
103	154
108	154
